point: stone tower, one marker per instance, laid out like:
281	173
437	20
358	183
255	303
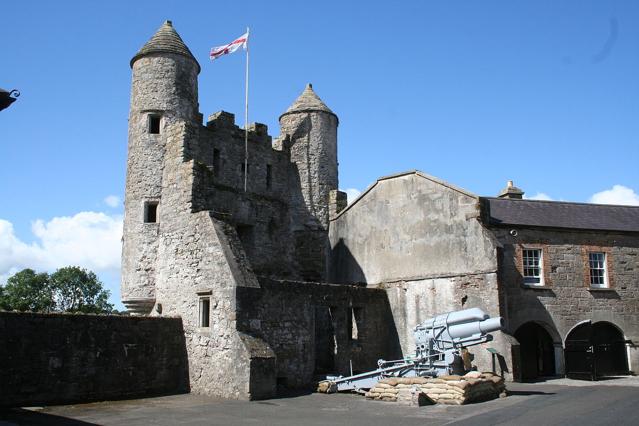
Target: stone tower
163	92
312	128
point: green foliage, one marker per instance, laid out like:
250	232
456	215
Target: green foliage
79	290
28	291
69	289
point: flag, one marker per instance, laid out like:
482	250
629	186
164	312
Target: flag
241	41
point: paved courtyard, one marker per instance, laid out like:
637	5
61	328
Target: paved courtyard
553	402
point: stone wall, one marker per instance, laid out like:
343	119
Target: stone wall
315	329
413	302
261	214
410	227
313	151
566	299
420	239
164	87
200	256
50	359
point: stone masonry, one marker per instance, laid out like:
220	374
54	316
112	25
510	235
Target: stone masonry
280	282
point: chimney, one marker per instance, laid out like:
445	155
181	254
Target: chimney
511	191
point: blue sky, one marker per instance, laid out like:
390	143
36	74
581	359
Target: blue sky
545	93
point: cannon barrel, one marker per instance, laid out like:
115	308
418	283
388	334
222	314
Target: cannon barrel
457	317
460	331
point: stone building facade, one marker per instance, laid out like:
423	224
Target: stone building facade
242	267
564	276
280	282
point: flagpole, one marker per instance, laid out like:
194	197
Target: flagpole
246	86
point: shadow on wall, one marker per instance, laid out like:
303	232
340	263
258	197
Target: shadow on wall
535	354
344	268
66	358
317	329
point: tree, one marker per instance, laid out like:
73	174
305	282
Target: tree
79	290
28	291
69	289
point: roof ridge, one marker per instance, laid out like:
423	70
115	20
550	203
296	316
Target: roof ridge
560	202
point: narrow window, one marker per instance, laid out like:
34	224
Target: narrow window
269	176
356	323
205	311
151	212
216	162
597	264
532	266
242	170
154	124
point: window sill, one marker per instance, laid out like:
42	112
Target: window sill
600	289
536	287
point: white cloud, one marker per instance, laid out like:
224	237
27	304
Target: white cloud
88	239
618	194
112	201
540	196
352	194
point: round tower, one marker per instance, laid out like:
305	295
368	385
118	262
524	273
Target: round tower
163	91
312	128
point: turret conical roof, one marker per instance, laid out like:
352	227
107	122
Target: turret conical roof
165	40
308	101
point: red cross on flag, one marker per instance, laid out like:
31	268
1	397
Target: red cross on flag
241	41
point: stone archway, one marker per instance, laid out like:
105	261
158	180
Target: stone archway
537	351
595	350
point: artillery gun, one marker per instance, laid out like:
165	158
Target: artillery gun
438	344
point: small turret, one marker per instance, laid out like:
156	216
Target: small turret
163	93
309	130
312	127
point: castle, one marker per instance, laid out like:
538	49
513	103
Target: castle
281	281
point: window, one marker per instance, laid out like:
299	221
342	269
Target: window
245	175
356	323
216	162
154	124
269	176
532	267
205	311
597	266
151	212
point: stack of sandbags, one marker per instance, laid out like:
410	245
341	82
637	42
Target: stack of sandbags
326	386
458	390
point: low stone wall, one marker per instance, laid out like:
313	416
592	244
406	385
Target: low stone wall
48	359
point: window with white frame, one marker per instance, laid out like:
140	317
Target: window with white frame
597	265
532	267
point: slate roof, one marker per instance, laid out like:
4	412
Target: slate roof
165	40
557	214
308	101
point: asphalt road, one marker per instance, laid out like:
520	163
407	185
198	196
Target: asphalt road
552	403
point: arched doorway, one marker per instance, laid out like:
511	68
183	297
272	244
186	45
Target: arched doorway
595	350
537	352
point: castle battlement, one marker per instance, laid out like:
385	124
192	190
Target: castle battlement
281	216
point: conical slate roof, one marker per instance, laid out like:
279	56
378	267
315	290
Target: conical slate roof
308	101
165	40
